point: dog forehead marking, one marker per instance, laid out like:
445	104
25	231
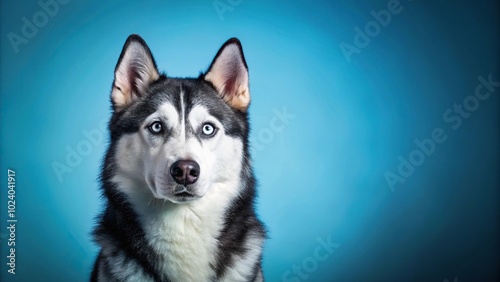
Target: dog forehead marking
183	115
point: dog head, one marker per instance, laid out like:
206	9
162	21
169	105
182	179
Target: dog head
175	138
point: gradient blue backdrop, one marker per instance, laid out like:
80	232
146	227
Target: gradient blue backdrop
321	176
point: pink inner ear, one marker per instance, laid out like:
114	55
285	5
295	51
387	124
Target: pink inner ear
230	86
132	76
229	75
229	71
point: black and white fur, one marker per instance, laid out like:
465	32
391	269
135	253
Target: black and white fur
156	227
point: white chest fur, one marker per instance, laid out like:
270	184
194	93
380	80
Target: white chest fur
186	234
187	243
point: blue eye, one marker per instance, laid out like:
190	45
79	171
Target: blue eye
156	127
208	129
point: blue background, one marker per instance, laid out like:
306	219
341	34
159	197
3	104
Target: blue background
321	176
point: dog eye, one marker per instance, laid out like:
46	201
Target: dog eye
156	127
208	129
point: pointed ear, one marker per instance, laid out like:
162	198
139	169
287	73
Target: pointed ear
229	75
135	70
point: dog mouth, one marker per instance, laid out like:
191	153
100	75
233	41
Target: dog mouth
184	194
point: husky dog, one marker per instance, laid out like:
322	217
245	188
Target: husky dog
177	177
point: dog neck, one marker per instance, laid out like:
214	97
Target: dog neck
185	235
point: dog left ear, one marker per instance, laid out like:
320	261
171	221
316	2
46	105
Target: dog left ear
228	73
135	70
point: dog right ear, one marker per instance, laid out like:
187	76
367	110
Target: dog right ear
135	70
228	73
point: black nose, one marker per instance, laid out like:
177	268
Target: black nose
185	172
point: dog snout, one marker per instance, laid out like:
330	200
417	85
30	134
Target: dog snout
185	172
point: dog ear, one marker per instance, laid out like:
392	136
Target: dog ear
228	73
135	70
